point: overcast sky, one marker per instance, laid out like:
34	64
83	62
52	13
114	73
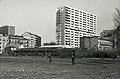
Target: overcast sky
39	16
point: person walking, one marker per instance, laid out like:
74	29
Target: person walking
49	56
73	58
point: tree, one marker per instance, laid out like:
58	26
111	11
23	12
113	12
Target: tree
117	28
117	18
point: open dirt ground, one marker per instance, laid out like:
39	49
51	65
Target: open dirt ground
40	68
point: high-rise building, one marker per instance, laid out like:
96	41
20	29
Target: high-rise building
7	30
72	23
34	40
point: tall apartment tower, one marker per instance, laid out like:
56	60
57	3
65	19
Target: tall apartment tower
7	30
72	23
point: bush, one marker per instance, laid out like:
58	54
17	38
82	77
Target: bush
97	54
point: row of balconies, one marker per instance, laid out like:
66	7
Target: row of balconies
78	12
77	35
72	43
81	15
81	28
78	24
79	20
73	22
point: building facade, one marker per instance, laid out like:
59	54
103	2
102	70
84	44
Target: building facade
105	45
35	40
3	42
96	43
89	43
72	23
17	41
7	30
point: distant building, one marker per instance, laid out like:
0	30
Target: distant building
3	42
35	40
72	23
95	43
17	41
106	33
105	45
89	43
7	30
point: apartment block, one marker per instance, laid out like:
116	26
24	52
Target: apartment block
17	41
34	40
3	42
105	45
72	23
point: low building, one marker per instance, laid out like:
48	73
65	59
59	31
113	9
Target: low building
55	50
35	40
89	43
105	45
96	43
17	41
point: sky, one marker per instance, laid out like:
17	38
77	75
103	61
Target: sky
39	16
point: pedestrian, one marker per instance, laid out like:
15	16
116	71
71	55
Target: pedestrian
49	56
73	58
33	59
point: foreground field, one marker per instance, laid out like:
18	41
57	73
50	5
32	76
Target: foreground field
40	68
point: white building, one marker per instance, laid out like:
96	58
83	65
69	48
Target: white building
72	23
3	42
34	40
105	45
17	41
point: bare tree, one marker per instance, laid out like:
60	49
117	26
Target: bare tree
117	28
117	18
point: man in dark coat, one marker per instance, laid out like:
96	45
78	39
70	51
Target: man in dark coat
73	58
